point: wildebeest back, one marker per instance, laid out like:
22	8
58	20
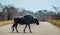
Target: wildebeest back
28	18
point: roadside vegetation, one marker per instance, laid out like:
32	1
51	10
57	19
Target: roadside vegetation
6	22
55	22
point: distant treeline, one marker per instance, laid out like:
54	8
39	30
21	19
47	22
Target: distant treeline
8	12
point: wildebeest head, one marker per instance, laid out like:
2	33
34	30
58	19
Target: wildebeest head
36	21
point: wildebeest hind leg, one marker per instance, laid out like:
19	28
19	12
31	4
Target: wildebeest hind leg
13	27
13	30
16	28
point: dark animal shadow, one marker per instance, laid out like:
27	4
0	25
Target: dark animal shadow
19	32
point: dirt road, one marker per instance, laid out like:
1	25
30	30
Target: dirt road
45	28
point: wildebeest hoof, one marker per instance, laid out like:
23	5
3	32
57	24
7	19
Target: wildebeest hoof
30	32
17	32
24	32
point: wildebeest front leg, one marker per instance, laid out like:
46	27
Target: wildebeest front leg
25	28
29	28
16	28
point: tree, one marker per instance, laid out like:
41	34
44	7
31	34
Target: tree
56	8
8	11
56	16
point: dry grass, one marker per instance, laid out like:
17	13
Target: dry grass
55	22
6	22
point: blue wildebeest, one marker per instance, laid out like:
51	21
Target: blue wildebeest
27	20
